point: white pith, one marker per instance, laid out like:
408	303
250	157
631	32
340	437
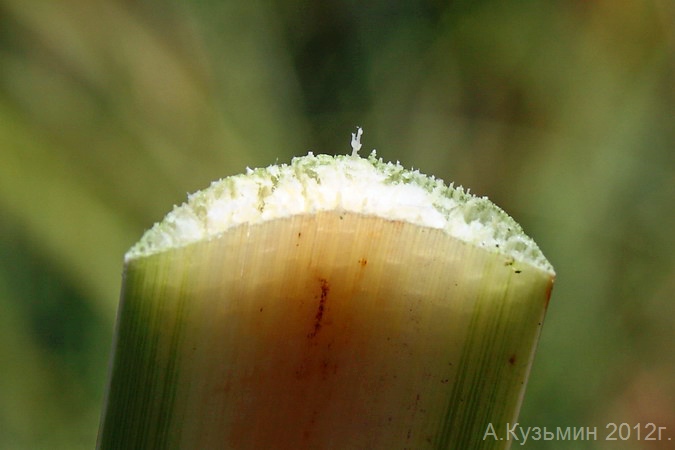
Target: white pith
349	183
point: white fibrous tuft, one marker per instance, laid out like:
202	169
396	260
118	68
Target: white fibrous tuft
349	183
356	141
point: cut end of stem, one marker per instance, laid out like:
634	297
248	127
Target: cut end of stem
334	302
349	183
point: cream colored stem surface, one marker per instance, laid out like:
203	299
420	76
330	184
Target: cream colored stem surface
326	331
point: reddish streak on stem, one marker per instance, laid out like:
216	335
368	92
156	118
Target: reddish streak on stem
321	309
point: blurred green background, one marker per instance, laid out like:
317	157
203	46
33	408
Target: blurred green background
562	112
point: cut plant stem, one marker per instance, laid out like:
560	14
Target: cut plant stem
326	304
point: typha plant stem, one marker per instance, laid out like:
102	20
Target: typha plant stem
334	303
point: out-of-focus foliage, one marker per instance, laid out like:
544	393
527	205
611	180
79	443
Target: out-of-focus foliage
563	113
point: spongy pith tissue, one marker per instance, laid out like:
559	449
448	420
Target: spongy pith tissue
349	183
